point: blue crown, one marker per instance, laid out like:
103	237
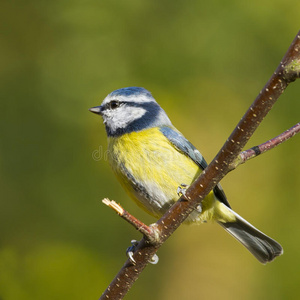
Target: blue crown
131	91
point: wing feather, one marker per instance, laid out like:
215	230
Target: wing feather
184	146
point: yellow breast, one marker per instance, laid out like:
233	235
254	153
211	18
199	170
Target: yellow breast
150	168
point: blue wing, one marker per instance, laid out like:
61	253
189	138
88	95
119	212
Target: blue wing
183	145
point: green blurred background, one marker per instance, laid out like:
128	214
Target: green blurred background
205	62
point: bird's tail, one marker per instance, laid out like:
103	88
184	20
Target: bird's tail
260	245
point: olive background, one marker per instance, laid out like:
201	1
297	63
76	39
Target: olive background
204	62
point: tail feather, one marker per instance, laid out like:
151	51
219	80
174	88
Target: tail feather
260	245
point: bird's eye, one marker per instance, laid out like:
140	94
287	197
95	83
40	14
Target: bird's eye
114	104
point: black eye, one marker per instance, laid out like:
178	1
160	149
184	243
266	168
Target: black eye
113	104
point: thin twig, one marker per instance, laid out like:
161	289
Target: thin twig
262	148
150	232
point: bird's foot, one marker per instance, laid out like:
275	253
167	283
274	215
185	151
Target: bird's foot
130	251
199	208
181	190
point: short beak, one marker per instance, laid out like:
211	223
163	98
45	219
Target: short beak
96	110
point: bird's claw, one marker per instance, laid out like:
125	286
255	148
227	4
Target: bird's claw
154	259
199	208
181	190
130	251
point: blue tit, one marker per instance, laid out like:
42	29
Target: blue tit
151	159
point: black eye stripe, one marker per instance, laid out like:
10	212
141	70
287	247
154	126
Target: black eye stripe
113	104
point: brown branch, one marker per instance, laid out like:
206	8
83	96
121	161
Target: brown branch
287	71
262	148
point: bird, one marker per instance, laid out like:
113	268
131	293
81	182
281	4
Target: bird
152	159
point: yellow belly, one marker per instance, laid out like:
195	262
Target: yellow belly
150	169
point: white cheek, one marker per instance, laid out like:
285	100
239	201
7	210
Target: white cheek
122	117
127	115
136	114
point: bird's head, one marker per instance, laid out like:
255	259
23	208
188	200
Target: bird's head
130	109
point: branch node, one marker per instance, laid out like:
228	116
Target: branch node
257	150
155	237
292	70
